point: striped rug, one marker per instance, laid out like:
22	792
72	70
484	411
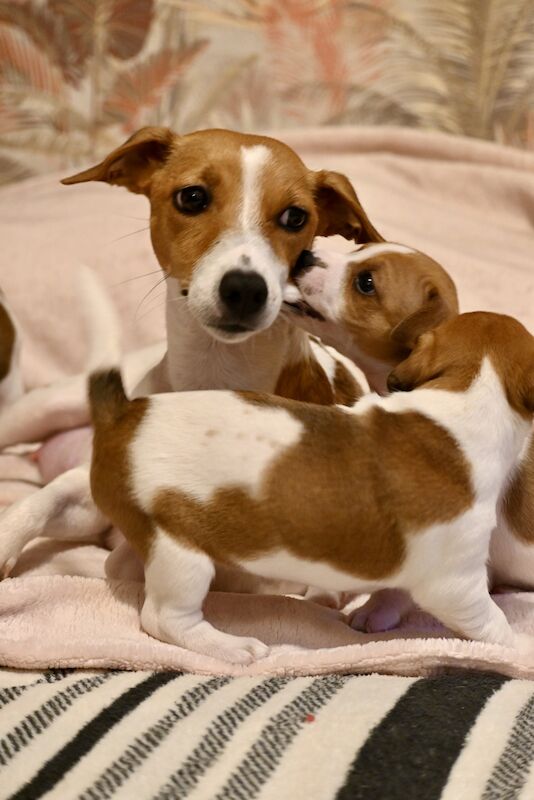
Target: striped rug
165	735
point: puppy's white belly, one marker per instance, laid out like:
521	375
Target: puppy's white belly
283	565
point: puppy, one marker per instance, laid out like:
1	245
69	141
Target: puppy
397	492
338	298
362	303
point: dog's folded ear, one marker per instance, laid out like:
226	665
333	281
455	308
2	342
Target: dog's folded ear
340	211
133	163
432	313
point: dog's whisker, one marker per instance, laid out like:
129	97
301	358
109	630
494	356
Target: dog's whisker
133	233
147	295
138	277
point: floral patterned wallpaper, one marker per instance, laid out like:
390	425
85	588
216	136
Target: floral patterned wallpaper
78	76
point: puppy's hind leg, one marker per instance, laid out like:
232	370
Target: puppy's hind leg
64	509
177	579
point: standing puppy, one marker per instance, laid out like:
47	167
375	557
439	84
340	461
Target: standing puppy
398	492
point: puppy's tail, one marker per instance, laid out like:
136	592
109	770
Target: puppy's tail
107	398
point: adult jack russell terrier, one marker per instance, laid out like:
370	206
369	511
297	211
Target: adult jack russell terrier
396	492
218	204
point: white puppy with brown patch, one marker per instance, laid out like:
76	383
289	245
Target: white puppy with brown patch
337	298
398	492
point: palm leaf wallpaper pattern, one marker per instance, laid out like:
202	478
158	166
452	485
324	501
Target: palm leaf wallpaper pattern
77	76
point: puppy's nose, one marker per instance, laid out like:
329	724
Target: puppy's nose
305	261
395	384
243	293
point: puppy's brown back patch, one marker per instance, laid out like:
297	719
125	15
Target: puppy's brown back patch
348	494
518	506
347	390
305	381
111	479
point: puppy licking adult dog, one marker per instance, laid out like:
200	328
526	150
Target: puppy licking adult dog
362	302
398	492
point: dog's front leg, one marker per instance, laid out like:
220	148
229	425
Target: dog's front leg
64	509
177	580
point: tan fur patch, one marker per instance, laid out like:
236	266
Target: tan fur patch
347	390
305	381
404	282
450	357
518	504
7	341
111	479
348	494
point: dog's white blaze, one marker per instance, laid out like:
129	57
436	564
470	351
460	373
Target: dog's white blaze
253	163
193	448
370	251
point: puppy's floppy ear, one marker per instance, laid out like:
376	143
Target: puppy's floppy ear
413	371
432	313
340	211
133	163
529	393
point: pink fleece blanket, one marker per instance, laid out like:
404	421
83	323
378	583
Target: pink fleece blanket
468	204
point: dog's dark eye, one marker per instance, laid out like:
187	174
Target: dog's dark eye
364	282
293	218
192	199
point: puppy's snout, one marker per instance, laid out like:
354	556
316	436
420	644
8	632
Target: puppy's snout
305	261
395	384
243	294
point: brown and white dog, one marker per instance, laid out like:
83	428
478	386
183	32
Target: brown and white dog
337	298
396	492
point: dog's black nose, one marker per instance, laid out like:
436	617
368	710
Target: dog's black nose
243	293
305	261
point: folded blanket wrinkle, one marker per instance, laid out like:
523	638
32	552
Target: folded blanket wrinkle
469	204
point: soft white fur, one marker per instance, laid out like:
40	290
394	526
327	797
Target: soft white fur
445	566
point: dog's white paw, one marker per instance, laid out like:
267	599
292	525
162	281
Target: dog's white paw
202	637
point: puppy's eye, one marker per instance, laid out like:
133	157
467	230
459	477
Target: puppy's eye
364	282
191	200
293	218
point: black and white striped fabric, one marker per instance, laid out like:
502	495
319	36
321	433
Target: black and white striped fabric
73	734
